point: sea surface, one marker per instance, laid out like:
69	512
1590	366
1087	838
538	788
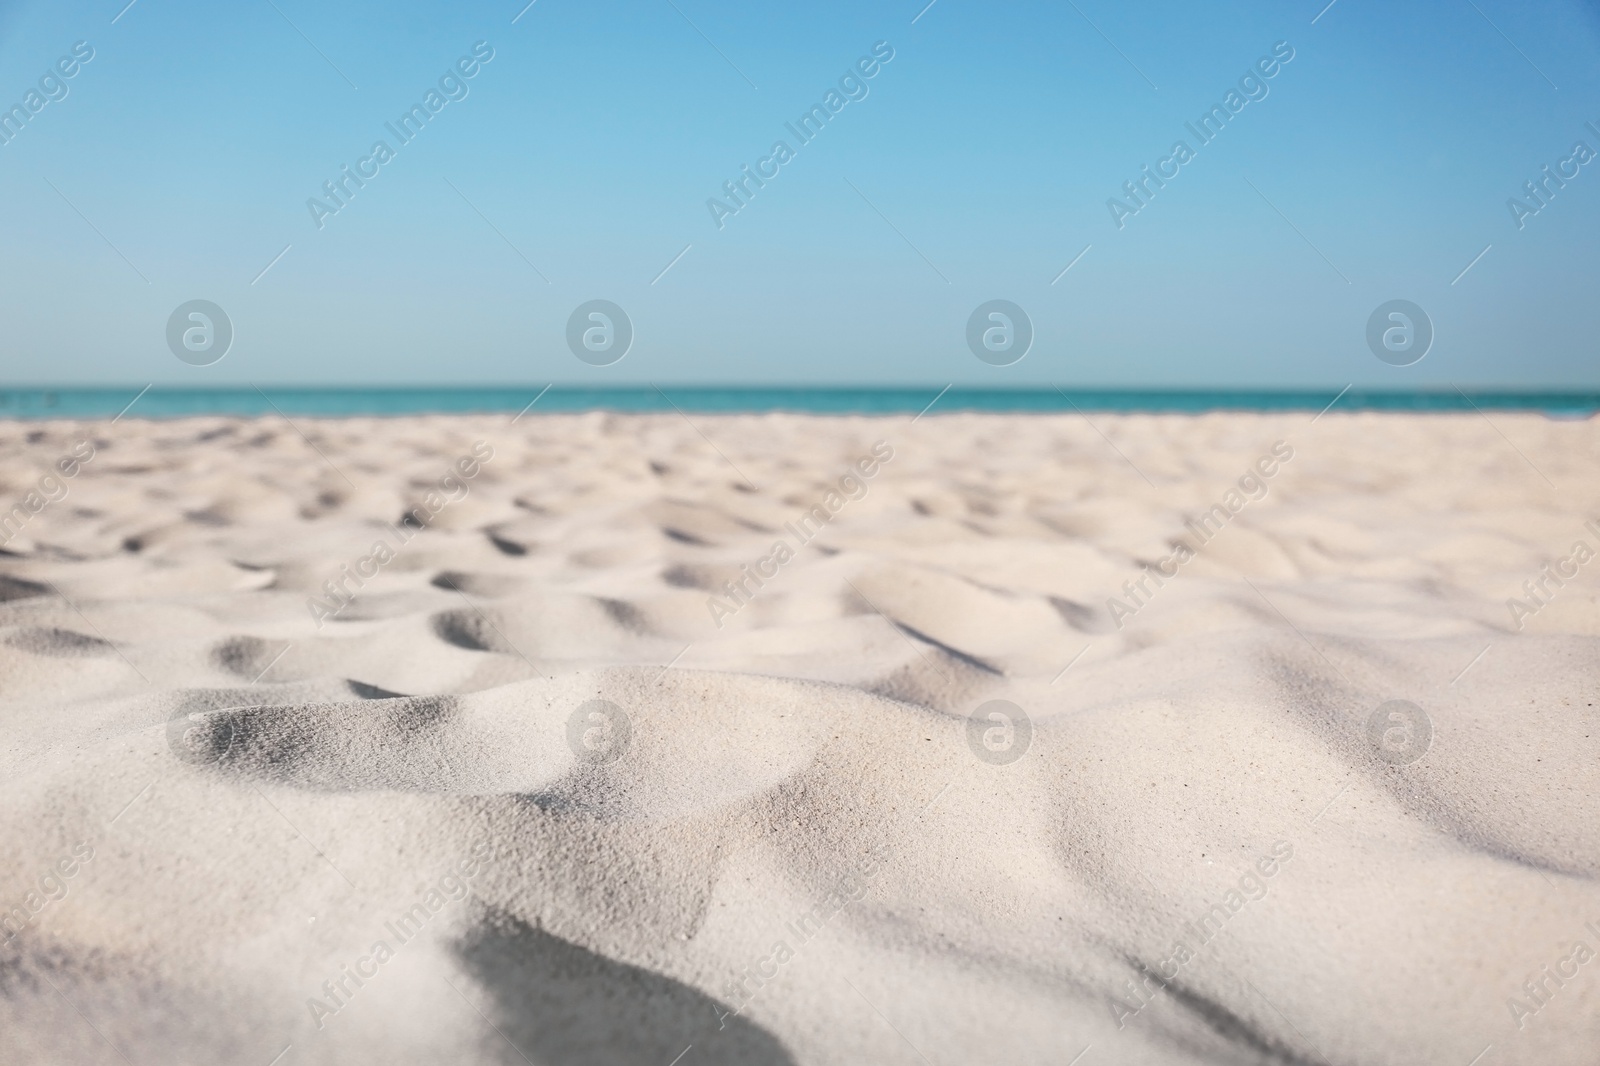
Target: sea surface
164	402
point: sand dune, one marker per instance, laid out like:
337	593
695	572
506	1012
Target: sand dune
593	739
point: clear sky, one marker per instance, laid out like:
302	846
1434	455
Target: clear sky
577	163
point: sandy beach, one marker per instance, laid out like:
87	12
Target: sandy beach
764	739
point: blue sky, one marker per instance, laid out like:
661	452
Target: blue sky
978	165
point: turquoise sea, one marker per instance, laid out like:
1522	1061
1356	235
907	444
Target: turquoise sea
164	402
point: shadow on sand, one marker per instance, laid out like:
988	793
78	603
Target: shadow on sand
563	1004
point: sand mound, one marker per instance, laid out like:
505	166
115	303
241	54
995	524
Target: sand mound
973	739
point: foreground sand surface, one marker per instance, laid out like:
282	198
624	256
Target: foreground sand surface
580	767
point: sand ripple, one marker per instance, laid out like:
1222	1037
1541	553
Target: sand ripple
775	833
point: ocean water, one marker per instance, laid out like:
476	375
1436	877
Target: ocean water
163	402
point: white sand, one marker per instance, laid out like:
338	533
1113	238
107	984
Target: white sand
1210	756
